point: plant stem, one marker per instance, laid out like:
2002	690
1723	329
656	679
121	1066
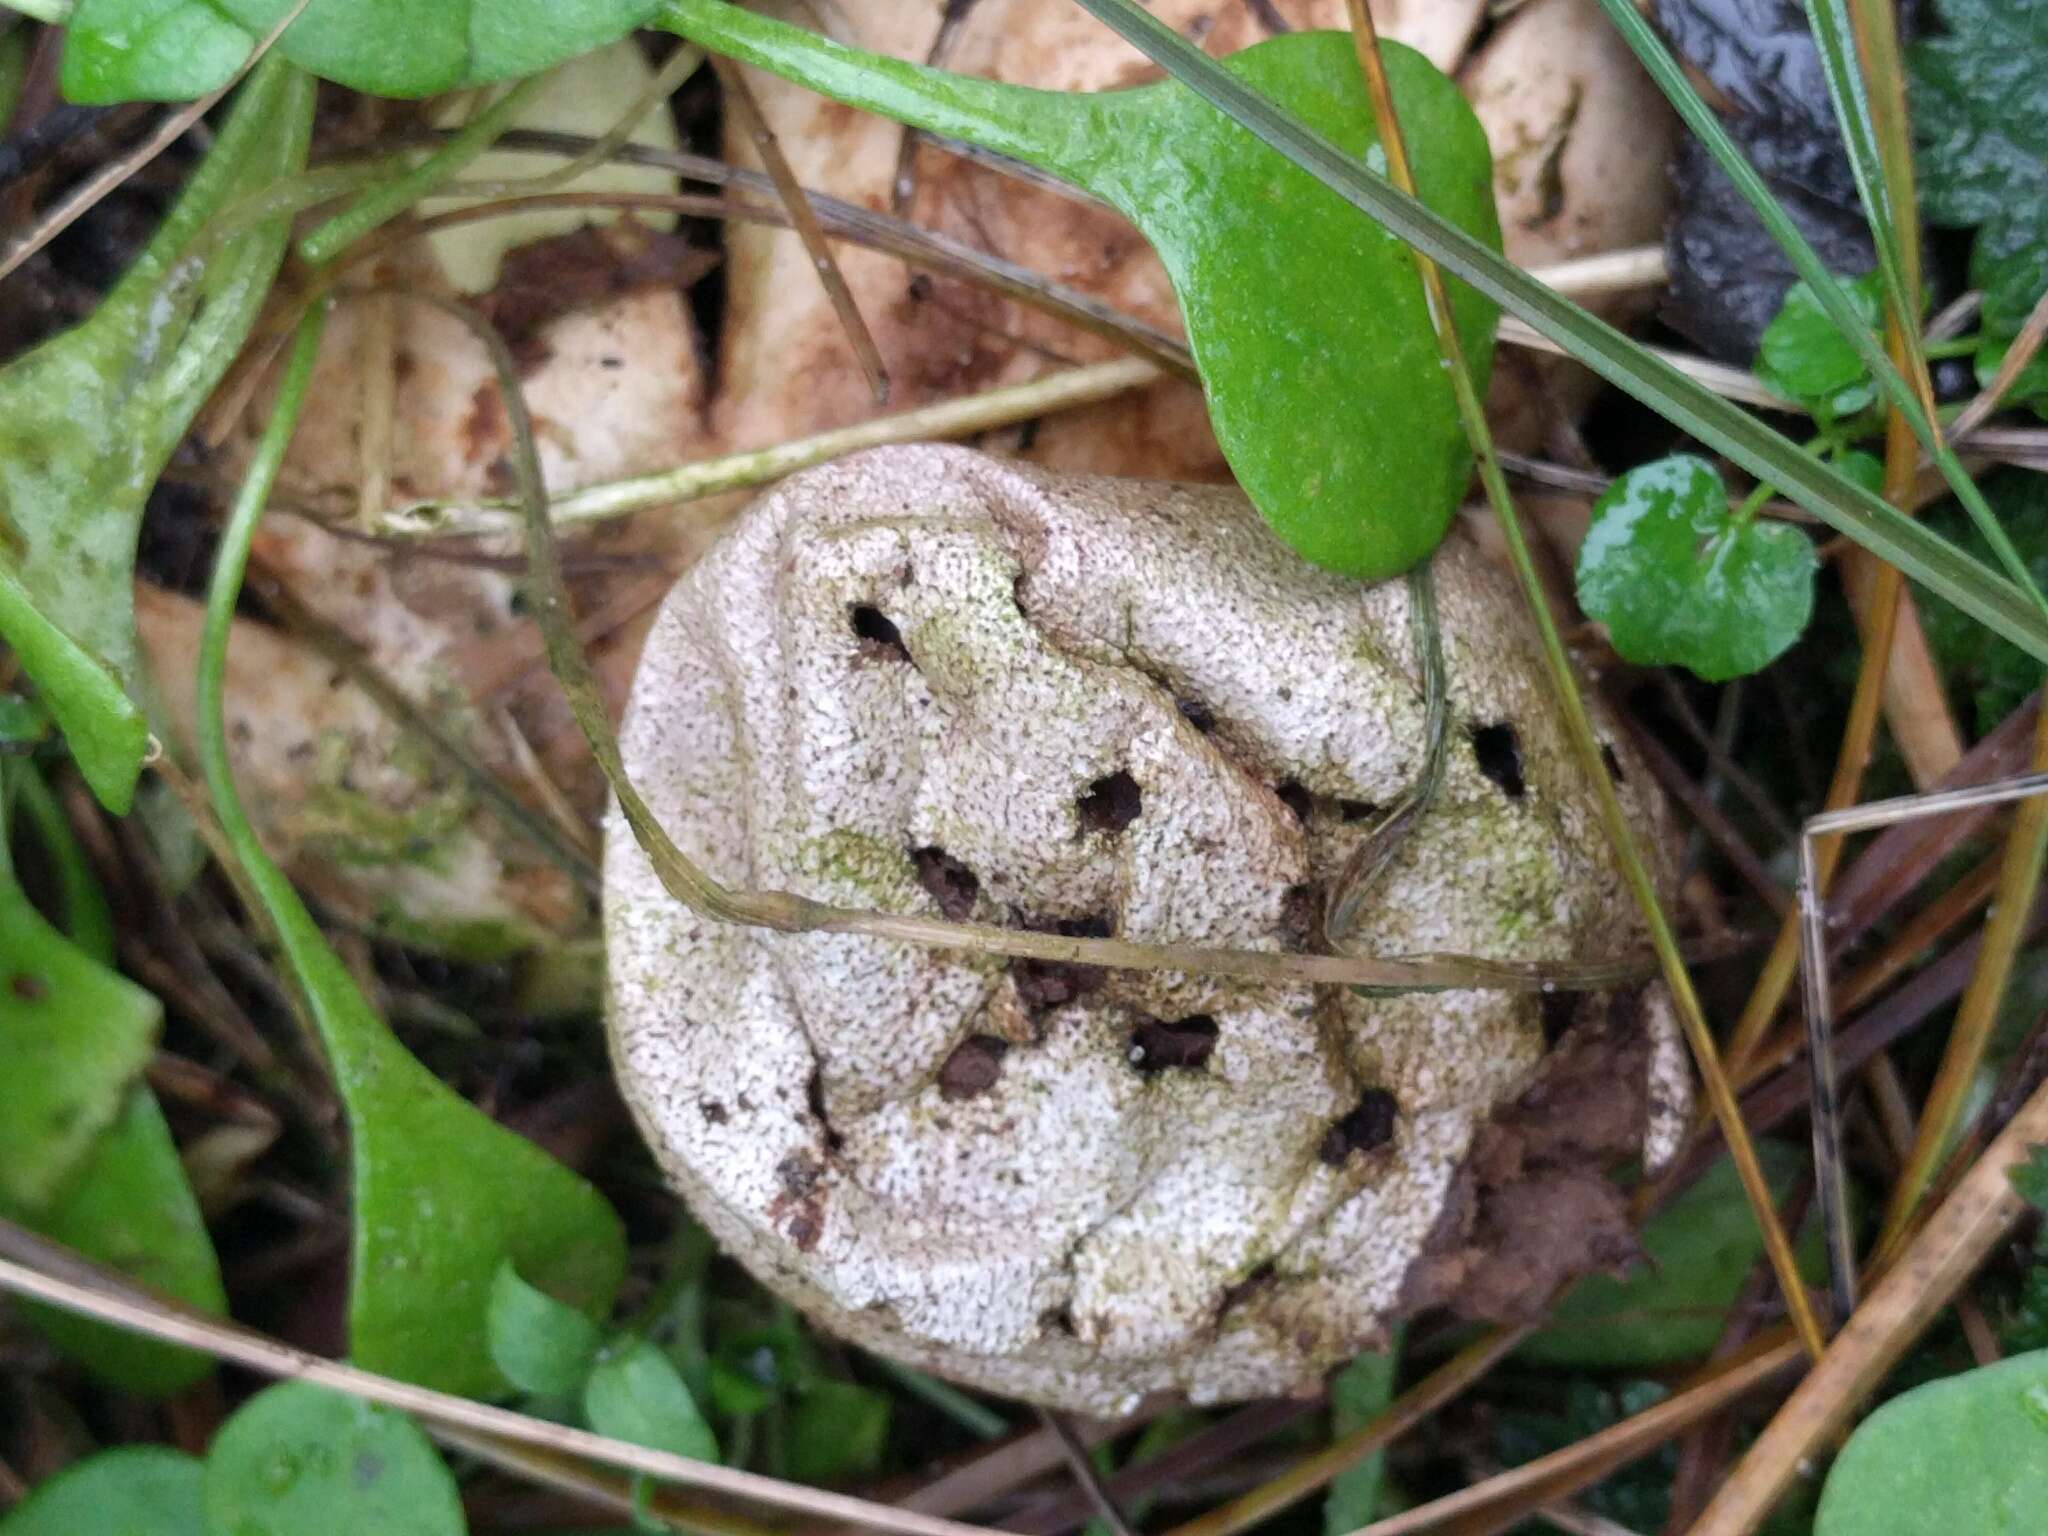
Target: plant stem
739	471
1579	726
383	203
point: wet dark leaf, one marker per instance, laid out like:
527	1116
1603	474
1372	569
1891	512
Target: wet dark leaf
1728	276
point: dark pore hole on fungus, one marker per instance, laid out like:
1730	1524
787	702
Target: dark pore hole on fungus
949	882
972	1068
1196	713
1613	763
1556	1010
1160	1045
1110	804
1500	757
1043	984
1370	1124
878	637
814	1097
1296	798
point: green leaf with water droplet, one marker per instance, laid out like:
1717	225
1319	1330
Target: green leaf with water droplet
134	1490
1967	1454
299	1460
542	1345
636	1393
1679	580
88	419
1325	386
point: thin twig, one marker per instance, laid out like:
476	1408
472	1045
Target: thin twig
109	176
754	467
2019	876
1082	1465
2028	342
1502	1501
44	1271
739	97
1314	1472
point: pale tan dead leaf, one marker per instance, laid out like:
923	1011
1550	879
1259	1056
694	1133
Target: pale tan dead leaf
1581	147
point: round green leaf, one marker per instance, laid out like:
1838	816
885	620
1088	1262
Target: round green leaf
1966	1456
541	1344
298	1460
1678	582
1803	357
137	1490
635	1393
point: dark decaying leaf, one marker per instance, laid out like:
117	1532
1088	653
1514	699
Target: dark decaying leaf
1728	276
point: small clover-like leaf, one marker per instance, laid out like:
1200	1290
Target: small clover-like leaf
1965	1453
635	1393
133	1490
1680	581
299	1460
1803	357
542	1345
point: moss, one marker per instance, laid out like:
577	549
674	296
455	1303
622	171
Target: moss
856	864
354	829
473	941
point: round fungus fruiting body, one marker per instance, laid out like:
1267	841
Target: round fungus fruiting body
923	680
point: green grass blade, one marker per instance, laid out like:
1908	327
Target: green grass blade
1830	496
1835	34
